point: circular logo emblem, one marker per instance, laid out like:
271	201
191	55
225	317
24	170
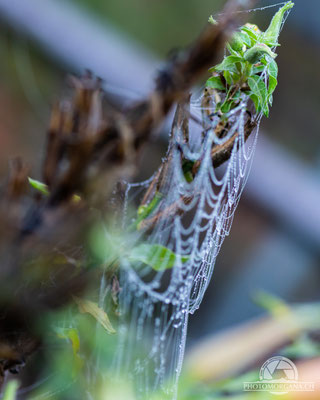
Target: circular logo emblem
278	370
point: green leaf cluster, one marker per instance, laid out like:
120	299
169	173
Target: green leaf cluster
250	67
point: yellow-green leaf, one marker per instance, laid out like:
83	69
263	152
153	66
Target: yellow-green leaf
41	187
270	36
276	306
72	335
89	307
10	392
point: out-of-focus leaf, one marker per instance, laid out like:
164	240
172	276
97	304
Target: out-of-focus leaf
72	335
276	306
41	187
212	21
156	256
10	391
303	347
236	43
87	306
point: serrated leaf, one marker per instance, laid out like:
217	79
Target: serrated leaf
89	307
215	83
41	187
156	256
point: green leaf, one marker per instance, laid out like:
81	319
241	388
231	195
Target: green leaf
187	166
255	53
246	39
259	90
228	77
72	336
231	51
270	37
215	83
226	106
212	21
156	256
256	102
273	73
270	99
302	347
258	69
10	392
229	64
236	43
250	32
41	187
273	69
272	84
266	109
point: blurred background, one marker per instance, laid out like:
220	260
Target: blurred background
275	239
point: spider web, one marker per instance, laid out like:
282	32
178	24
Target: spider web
195	218
157	304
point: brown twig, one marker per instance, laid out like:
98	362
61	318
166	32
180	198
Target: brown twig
219	154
